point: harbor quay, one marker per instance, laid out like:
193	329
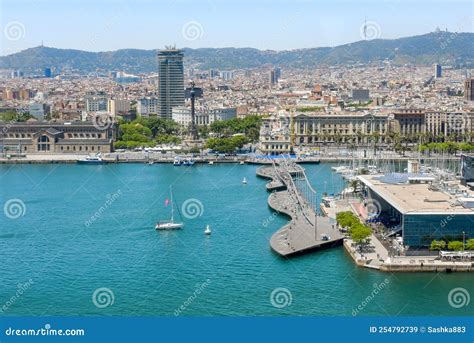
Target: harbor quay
121	157
413	216
406	212
159	157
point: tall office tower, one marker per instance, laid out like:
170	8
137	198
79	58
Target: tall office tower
213	73
170	81
227	75
17	73
274	76
469	89
277	73
437	70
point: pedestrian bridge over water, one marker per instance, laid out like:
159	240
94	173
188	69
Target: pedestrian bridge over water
293	195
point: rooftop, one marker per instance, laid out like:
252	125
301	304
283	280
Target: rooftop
417	198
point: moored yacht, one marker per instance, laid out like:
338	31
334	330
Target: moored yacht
171	224
97	159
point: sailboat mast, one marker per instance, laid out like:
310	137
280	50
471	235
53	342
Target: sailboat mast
172	212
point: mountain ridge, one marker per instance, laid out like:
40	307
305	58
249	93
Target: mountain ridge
456	49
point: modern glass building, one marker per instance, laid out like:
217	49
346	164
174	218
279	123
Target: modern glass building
419	210
170	81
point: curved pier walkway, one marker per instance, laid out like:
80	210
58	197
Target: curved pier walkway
305	232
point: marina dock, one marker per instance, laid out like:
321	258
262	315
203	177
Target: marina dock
293	196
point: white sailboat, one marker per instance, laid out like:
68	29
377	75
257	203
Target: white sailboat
208	230
169	225
244	181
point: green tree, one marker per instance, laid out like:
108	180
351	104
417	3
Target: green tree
14	116
438	245
359	233
226	144
248	126
470	244
456	245
346	219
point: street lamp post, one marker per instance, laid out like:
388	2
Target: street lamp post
463	240
315	225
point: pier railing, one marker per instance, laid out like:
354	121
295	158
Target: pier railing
301	182
302	190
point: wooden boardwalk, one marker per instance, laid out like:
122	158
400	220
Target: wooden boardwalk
305	232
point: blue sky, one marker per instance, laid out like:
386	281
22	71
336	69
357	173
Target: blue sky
104	25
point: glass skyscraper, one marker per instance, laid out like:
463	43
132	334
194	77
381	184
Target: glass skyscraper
171	81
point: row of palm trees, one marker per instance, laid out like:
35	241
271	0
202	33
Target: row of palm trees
393	140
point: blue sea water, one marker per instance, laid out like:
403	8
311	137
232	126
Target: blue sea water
90	229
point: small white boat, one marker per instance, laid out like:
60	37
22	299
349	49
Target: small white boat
177	161
242	162
341	169
97	159
244	181
208	230
169	225
188	162
211	162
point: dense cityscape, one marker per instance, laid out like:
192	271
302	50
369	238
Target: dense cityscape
383	103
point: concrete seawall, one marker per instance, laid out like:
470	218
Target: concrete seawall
398	264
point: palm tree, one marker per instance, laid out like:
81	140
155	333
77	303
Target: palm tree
338	139
354	184
375	138
360	136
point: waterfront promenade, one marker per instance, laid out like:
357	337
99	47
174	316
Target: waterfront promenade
306	231
376	255
158	157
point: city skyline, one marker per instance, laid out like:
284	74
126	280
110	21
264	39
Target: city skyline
282	25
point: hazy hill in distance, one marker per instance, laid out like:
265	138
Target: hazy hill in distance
456	49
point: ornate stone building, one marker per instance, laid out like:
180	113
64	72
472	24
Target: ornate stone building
315	129
49	137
